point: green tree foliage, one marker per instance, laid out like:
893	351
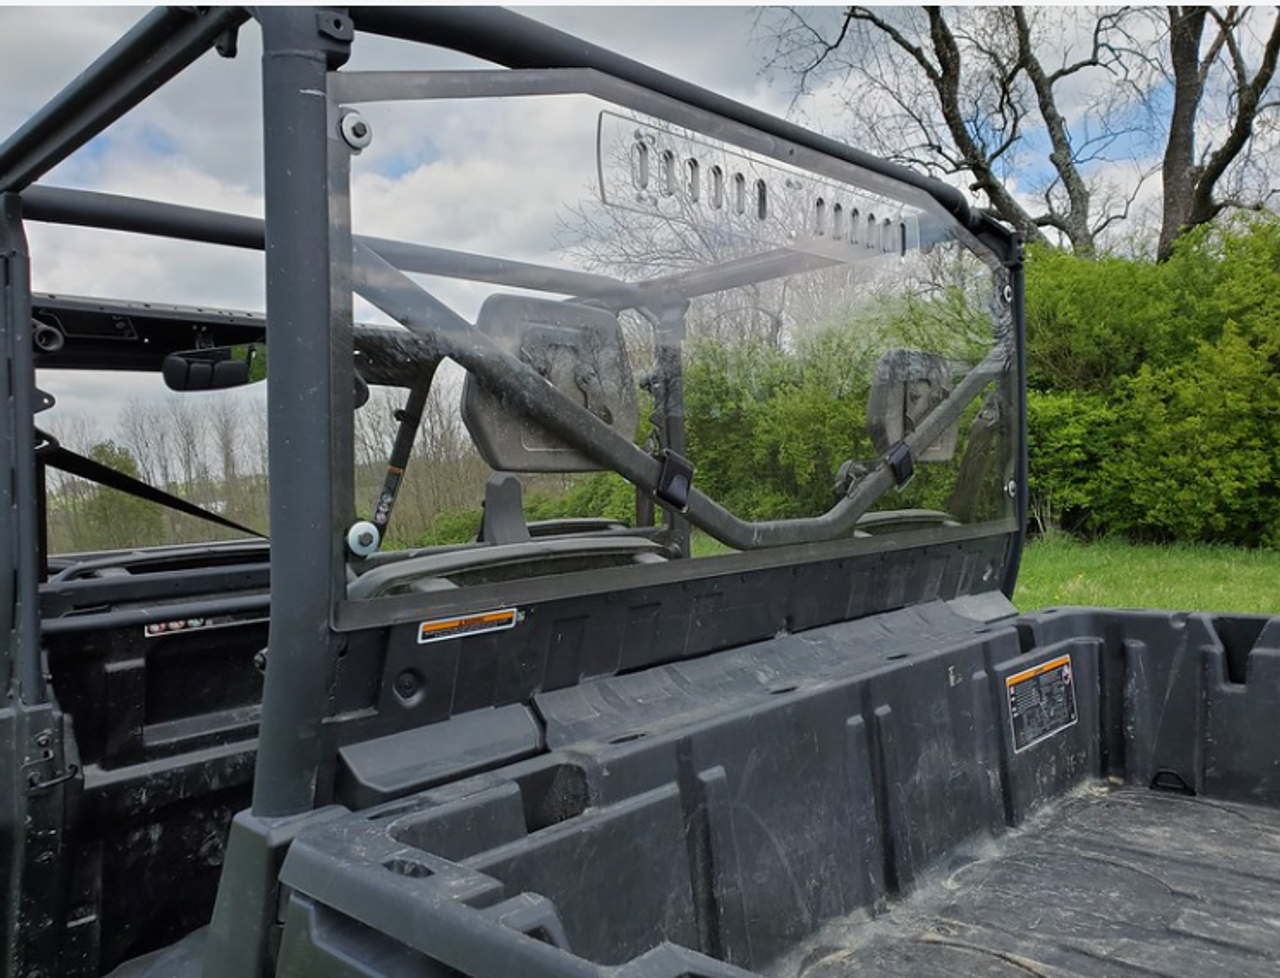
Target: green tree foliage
601	494
1154	408
1066	449
116	519
768	430
1091	322
1197	449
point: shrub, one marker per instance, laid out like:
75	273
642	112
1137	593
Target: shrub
1196	451
1069	435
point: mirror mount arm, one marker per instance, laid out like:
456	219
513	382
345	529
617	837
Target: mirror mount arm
409	419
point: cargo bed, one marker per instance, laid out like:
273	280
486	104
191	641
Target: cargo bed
936	790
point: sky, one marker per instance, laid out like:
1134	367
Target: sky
198	141
478	176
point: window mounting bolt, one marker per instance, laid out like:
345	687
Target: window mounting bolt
355	130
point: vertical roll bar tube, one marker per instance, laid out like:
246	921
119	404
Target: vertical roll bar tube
19	519
306	569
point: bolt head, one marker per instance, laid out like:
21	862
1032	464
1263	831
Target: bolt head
355	131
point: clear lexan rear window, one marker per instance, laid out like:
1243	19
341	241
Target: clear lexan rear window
687	290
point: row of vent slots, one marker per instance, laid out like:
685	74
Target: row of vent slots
641	177
883	230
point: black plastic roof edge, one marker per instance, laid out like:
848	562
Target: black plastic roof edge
510	39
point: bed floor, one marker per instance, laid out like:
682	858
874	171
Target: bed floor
1111	883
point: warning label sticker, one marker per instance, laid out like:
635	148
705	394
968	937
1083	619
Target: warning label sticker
440	629
1042	701
157	628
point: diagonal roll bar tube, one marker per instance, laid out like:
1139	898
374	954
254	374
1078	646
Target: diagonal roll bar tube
524	390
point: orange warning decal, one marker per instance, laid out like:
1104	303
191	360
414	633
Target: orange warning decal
1042	702
445	628
1040	670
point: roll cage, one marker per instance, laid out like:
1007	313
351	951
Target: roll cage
306	237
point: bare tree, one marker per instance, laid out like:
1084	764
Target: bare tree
143	430
189	426
69	497
995	94
1204	41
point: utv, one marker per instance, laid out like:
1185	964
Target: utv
771	714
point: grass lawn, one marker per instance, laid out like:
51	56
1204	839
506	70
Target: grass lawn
1110	574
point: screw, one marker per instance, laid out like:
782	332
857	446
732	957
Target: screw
356	131
1011	488
406	684
260	660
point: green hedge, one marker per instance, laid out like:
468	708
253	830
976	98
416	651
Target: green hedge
1154	408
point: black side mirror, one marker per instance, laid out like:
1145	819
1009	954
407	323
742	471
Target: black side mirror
907	386
579	350
215	368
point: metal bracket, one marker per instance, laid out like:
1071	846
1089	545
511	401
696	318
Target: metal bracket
850	474
675	481
36	786
228	43
335	26
901	463
36	783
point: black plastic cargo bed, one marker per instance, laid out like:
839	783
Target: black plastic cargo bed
1109	881
929	791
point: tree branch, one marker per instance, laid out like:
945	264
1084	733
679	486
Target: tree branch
1062	155
917	53
1248	99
